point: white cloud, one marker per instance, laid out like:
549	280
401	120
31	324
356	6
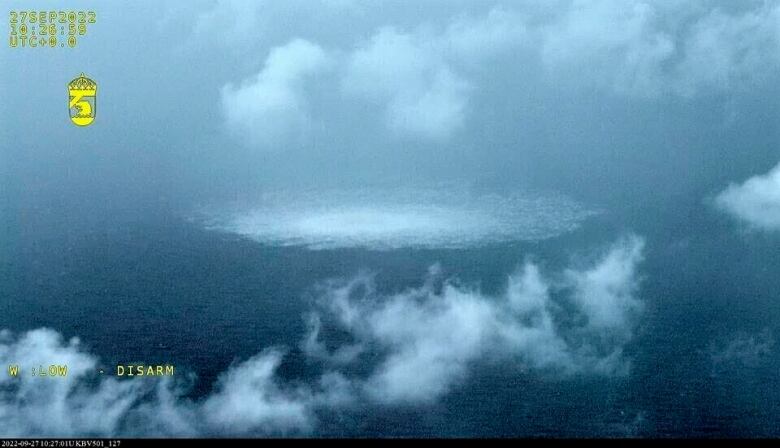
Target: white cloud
412	77
471	38
417	345
65	406
633	48
243	26
248	399
647	49
610	44
532	329
606	292
756	201
416	77
742	349
235	23
422	80
270	109
420	92
432	336
724	52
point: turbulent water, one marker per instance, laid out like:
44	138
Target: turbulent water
442	217
428	218
581	334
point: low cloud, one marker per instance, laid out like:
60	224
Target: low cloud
730	51
420	93
755	202
66	406
744	350
408	348
606	292
417	76
613	45
431	336
232	20
83	403
248	398
270	110
421	80
646	49
413	78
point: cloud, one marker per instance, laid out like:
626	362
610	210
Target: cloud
756	201
243	26
231	21
419	91
270	110
607	44
606	292
429	339
647	49
742	350
432	335
724	51
631	48
247	399
415	76
66	406
407	348
421	80
470	38
411	77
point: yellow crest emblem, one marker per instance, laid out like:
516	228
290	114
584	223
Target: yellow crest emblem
83	100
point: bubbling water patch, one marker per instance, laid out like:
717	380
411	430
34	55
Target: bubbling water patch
383	219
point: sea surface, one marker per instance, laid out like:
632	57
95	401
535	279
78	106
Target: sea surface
162	288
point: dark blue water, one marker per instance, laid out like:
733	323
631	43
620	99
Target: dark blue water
156	288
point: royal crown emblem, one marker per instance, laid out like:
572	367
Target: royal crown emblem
82	100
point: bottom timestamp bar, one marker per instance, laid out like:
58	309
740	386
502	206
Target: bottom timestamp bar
60	443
